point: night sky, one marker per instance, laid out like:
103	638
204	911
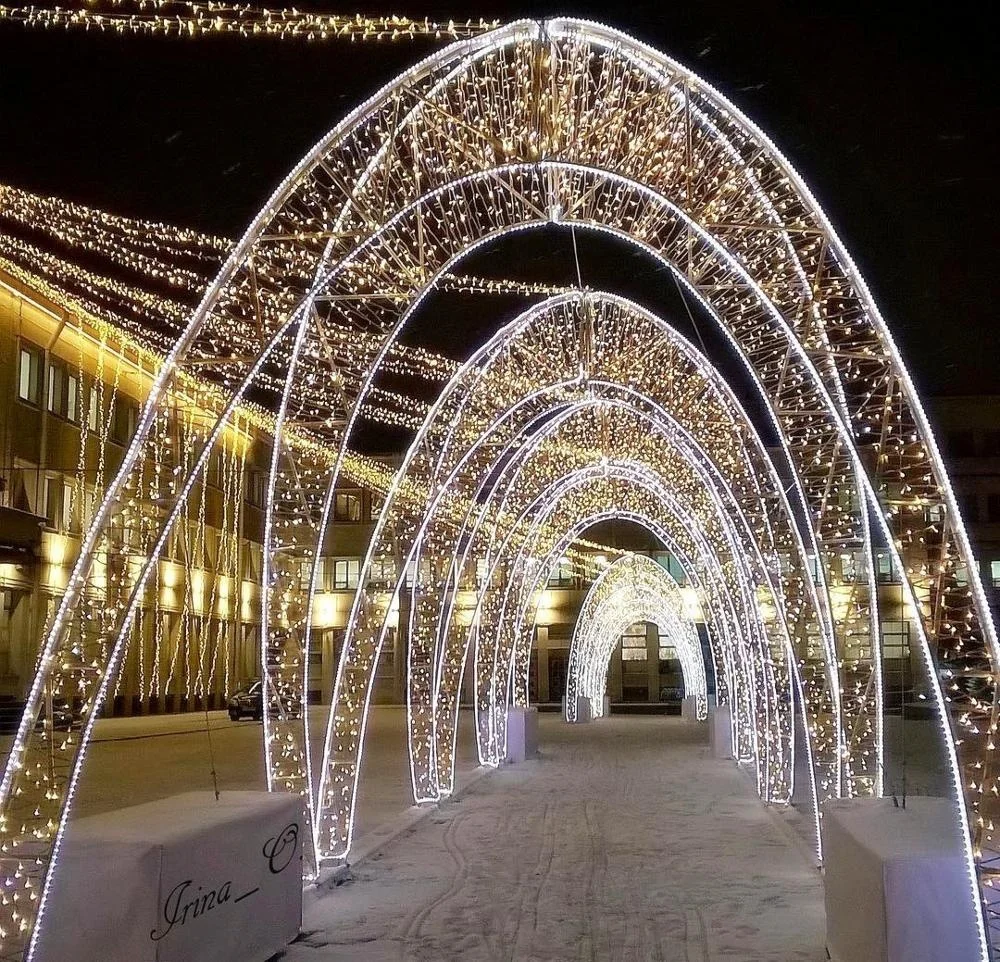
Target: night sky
893	121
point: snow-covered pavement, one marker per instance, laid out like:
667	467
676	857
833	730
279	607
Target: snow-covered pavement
623	842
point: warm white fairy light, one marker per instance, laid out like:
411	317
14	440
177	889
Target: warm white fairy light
491	377
633	589
460	161
189	18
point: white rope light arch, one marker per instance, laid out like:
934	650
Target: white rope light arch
554	122
633	589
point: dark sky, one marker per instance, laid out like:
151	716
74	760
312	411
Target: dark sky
892	120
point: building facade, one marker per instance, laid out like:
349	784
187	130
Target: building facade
71	389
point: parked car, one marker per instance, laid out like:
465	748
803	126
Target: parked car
248	702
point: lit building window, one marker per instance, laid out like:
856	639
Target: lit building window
895	639
93	410
995	573
562	574
667	651
64	391
634	643
345	573
885	570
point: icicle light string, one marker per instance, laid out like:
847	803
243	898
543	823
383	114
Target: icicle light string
181	18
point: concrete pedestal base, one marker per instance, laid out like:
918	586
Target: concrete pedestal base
607	705
522	733
896	885
720	732
583	711
186	877
689	708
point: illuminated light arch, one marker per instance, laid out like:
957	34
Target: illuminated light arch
559	121
694	375
633	589
567	505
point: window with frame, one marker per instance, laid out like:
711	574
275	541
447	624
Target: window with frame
29	383
63	395
124	419
70	507
255	482
993	507
347	506
995	573
667	651
562	574
634	643
885	570
345	573
54	501
852	566
895	639
671	565
383	570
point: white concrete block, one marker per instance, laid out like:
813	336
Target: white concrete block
720	732
895	880
607	705
186	877
522	733
689	708
584	713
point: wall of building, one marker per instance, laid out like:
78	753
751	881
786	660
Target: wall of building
69	399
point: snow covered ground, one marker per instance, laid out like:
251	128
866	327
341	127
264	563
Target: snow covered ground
141	759
624	841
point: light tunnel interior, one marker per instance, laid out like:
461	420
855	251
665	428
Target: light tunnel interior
756	416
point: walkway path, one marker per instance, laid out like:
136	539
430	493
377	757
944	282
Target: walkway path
623	842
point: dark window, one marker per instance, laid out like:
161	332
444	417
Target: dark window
991	443
993	507
256	482
347	506
124	420
961	444
29	385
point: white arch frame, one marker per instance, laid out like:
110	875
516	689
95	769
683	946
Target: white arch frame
632	589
